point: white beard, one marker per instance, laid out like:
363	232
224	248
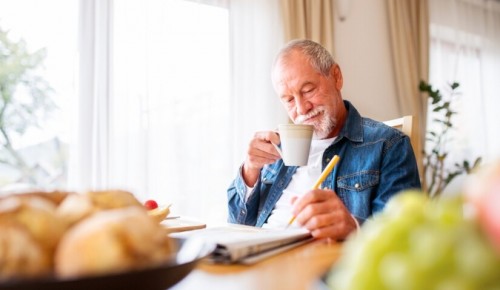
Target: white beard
323	126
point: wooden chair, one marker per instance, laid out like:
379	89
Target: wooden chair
405	124
409	126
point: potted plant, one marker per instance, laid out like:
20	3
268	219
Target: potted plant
437	175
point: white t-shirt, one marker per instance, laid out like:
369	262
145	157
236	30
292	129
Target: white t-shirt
302	181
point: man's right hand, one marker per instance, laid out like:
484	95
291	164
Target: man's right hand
260	152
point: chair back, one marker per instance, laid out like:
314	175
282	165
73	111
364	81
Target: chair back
408	125
404	124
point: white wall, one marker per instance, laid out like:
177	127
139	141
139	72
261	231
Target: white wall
362	49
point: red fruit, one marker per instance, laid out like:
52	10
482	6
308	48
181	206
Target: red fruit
150	204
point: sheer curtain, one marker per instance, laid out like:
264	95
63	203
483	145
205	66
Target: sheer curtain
170	107
256	33
465	47
89	146
172	94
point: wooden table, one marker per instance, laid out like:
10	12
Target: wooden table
299	268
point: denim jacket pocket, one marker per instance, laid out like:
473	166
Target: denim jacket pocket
355	190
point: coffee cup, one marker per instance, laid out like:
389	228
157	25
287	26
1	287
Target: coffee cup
295	143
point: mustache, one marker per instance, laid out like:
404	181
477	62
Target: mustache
302	118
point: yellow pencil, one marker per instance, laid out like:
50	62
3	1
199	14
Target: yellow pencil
321	178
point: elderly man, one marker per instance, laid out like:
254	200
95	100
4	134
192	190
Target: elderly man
376	161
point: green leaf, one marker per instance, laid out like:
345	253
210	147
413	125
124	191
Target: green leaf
423	86
477	163
451	176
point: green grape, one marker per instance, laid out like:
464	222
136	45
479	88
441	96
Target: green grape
406	204
397	271
453	283
445	211
417	243
473	257
429	248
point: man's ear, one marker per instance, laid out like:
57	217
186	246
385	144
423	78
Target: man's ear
336	73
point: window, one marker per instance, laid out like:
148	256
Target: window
35	120
465	49
169	110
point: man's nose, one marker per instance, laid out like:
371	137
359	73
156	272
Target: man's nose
303	106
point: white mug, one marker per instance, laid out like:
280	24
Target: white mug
295	143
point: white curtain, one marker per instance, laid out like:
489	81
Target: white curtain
168	116
170	109
465	47
256	33
89	147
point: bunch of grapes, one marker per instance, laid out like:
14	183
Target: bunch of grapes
418	243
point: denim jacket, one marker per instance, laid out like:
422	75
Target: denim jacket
376	162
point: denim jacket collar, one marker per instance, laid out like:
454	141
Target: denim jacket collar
353	128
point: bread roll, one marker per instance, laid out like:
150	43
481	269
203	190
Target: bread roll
20	254
110	199
112	241
29	233
75	208
79	206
